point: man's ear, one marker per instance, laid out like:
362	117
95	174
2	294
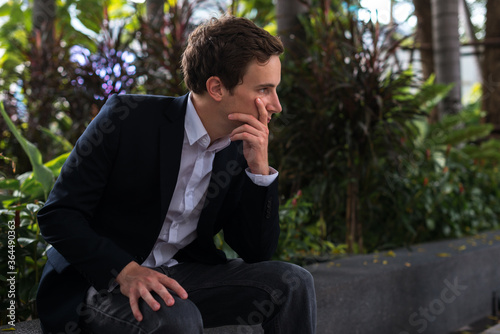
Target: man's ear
215	88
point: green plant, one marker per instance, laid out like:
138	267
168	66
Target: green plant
21	198
301	239
262	12
32	75
42	72
160	54
447	184
29	257
348	111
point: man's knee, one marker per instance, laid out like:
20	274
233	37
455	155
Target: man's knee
293	276
182	317
110	312
287	281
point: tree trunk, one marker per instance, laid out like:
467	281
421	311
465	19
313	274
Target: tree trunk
43	17
155	13
424	39
289	28
465	14
491	66
391	13
42	69
447	52
354	233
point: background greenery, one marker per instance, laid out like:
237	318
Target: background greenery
361	168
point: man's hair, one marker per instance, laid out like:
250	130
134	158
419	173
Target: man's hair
224	48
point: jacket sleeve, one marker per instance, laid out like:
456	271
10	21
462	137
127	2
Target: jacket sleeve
251	228
65	220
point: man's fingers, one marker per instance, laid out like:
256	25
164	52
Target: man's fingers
161	288
149	299
255	121
247	119
138	282
262	111
166	296
134	305
174	286
245	128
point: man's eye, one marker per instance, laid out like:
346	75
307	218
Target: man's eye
263	90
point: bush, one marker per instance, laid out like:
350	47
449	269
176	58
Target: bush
21	198
346	109
302	240
447	185
354	137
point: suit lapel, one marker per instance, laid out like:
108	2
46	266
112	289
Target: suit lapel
171	140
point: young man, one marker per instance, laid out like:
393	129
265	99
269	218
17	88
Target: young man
150	182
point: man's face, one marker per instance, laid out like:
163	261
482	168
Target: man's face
260	81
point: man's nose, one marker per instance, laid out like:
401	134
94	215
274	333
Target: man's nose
274	104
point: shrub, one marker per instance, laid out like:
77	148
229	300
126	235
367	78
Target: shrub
347	108
21	198
302	239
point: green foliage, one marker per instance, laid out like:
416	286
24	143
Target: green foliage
344	119
13	39
447	184
301	240
160	54
262	12
21	198
30	259
222	245
60	85
41	173
353	135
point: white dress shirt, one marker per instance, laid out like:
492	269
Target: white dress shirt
181	221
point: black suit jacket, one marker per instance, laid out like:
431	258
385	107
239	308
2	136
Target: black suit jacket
109	203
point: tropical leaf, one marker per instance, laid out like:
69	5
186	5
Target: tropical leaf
63	142
56	164
90	14
10	184
41	173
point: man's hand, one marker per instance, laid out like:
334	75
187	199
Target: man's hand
255	136
137	282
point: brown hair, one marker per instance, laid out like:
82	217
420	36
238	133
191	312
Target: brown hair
224	48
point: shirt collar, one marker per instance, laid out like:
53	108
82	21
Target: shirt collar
196	132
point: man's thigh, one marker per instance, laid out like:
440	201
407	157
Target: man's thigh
110	312
238	293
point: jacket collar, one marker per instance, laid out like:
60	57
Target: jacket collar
171	139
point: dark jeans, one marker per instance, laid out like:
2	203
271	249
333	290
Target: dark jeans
278	295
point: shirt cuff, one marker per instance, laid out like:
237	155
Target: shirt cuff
263	180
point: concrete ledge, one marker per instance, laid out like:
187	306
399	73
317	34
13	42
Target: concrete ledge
434	288
33	327
493	330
